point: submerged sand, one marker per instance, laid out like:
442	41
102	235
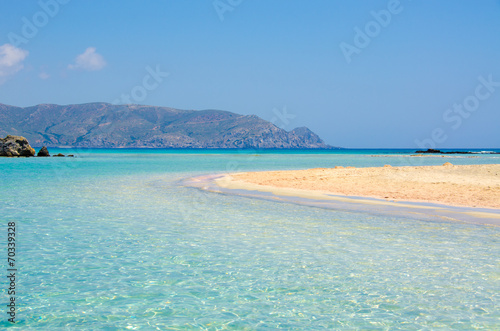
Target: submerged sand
464	185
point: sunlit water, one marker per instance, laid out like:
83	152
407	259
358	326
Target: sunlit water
111	240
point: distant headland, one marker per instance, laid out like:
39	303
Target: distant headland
104	125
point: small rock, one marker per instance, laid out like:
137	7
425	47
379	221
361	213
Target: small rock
59	155
447	164
387	166
43	152
339	167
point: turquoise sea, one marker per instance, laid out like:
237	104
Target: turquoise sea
112	240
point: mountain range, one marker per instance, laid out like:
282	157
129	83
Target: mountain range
104	125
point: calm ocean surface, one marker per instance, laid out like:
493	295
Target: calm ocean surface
112	240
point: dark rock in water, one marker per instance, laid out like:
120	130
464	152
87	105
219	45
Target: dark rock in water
437	151
15	146
43	152
71	155
59	155
430	150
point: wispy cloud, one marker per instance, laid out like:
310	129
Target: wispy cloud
11	61
89	60
43	75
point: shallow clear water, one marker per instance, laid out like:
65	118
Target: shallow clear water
110	239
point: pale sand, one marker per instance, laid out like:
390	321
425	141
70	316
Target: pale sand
467	186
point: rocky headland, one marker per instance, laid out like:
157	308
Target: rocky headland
104	125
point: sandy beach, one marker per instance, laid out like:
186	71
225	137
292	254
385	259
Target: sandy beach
464	185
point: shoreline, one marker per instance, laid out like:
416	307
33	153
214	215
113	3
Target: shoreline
290	191
453	185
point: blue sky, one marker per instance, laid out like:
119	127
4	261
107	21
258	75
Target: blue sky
373	74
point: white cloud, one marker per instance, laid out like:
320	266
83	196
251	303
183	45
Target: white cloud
11	61
43	75
89	60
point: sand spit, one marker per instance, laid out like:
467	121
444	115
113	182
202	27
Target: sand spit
464	185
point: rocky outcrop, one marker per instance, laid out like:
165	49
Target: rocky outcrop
12	146
43	152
